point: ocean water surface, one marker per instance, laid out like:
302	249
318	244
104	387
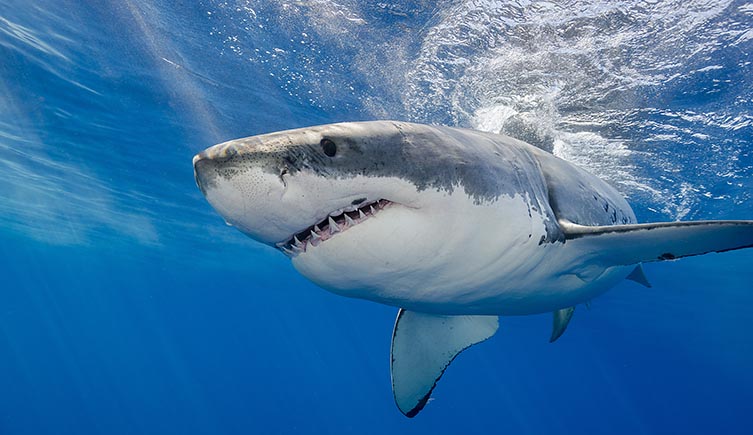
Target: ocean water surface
127	306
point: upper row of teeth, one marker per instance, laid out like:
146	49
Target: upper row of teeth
348	209
298	246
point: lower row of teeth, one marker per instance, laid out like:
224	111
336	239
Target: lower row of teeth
318	235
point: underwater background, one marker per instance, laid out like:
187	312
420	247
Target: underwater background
128	307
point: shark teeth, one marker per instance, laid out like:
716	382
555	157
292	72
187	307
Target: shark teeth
333	228
336	222
287	251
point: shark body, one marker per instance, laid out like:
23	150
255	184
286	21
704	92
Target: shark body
454	227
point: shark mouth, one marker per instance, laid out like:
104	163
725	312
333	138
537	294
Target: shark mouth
335	223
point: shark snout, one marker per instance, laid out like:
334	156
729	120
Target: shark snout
204	171
208	163
245	187
197	164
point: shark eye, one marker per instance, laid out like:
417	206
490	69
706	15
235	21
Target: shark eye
329	147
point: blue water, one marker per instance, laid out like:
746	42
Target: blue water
128	307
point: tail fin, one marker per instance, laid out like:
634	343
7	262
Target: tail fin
636	243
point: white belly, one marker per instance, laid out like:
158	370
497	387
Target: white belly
550	277
470	259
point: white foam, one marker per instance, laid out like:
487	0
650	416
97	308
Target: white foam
576	78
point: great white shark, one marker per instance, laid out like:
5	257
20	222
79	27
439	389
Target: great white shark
454	227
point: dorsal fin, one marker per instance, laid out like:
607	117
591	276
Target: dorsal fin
560	320
423	346
639	276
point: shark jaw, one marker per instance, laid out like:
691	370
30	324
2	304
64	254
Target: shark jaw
336	223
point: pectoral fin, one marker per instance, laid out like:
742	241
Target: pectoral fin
423	346
636	243
561	319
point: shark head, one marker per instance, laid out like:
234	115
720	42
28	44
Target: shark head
358	205
280	187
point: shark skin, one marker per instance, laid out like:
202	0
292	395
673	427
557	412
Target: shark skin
454	225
